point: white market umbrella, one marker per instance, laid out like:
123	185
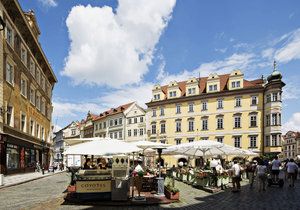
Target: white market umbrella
102	147
204	148
149	144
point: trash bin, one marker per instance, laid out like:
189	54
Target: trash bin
1	179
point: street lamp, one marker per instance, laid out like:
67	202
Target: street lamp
43	148
160	180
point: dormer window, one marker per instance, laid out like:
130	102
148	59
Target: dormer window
191	91
213	87
157	97
236	84
172	94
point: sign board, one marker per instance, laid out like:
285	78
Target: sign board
93	186
73	160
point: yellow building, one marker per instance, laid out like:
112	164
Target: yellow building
225	108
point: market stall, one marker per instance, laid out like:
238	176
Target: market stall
97	180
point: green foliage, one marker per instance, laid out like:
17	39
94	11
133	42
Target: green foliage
172	189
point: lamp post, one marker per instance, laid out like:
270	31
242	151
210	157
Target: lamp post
160	180
43	148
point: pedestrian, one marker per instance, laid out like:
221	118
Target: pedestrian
236	176
251	167
275	168
292	170
261	172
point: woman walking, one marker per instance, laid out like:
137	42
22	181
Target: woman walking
261	172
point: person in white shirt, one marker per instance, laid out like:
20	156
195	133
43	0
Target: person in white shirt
236	177
292	170
275	168
261	173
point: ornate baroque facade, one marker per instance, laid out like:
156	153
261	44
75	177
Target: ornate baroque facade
26	92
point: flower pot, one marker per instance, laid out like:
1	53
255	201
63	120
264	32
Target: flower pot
170	195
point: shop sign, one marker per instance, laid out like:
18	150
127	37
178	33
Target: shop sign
93	186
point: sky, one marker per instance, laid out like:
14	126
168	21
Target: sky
110	52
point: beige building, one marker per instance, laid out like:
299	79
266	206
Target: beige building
25	92
225	108
291	145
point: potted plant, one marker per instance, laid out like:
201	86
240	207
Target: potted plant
172	193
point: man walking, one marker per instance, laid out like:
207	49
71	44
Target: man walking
236	178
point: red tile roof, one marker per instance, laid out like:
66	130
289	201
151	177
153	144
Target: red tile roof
223	84
113	111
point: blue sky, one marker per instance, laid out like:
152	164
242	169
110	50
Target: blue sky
106	53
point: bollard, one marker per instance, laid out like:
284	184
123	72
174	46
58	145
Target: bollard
1	179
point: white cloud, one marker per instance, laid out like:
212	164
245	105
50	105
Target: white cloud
221	50
293	124
235	61
291	47
48	3
268	53
114	49
291	90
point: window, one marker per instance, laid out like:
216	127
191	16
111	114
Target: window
253	121
267	120
204	105
213	87
190	140
274	140
191	107
191	91
43	106
37	134
42	133
23	122
96	127
237	141
210	88
162	111
153	129
178	111
9	35
100	126
219	123
13	156
220	139
268	98
73	132
32	95
172	93
274	119
154	113
23	54
111	122
38	76
129	132
115	135
141	131
204	138
120	135
279	119
141	119
135	120
237	121
163	128
129	121
104	125
120	121
31	127
238	102
233	84
9	115
191	125
253	100
204	124
253	141
178	141
274	97
238	84
115	122
23	87
157	97
220	104
38	102
267	142
135	132
178	126
9	73
32	67
43	82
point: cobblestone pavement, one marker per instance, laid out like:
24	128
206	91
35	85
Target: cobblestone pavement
47	193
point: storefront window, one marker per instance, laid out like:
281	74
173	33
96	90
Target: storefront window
29	157
12	156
